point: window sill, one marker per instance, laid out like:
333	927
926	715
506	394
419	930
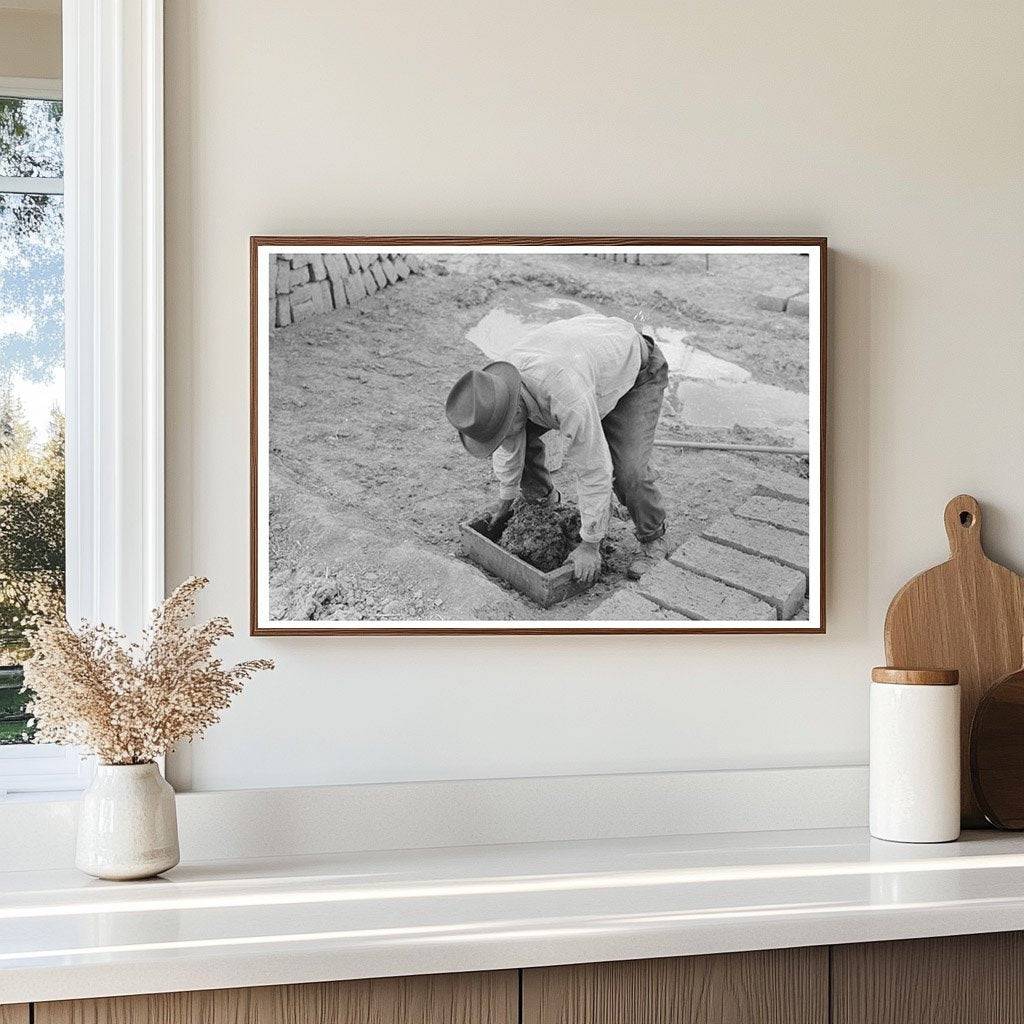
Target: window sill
43	771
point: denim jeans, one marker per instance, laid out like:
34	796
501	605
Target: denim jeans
629	430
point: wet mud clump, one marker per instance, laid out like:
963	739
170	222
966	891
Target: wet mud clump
540	534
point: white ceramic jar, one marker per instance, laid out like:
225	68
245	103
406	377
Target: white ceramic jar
127	824
915	755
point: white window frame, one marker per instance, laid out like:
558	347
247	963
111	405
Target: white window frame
114	325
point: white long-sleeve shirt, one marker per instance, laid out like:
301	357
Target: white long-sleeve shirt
574	373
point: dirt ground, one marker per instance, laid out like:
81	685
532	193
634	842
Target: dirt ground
368	481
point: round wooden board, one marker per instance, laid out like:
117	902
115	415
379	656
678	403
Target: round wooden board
997	752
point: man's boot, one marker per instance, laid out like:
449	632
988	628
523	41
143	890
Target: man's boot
650	555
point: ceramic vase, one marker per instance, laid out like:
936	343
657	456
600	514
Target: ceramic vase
127	825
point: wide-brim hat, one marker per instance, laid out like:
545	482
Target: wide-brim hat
482	405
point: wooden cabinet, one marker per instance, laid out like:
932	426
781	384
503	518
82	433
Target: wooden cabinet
963	979
491	998
971	979
777	986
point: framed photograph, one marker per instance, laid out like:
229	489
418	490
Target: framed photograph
537	435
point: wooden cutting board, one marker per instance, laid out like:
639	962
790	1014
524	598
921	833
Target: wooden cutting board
967	614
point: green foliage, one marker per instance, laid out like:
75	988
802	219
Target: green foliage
32	507
32	551
14	722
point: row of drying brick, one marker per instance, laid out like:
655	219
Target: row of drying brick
787	299
639	259
750	565
307	284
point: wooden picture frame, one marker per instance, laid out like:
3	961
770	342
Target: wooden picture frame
325	305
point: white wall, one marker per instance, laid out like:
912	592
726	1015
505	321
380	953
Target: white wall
895	129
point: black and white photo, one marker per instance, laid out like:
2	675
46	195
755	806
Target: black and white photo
537	435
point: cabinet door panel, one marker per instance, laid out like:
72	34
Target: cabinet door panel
778	986
482	998
960	979
14	1013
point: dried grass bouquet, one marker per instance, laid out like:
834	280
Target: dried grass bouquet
129	703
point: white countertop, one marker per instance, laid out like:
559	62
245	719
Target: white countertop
262	922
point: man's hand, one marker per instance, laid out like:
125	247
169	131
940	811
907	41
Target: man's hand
498	516
586	561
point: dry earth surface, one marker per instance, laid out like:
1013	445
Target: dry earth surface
368	481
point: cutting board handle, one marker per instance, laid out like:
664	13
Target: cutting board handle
963	526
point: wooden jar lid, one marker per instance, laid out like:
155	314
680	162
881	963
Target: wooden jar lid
916	676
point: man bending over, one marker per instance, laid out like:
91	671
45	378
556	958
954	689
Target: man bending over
598	382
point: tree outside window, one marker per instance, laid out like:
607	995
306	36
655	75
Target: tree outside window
31	387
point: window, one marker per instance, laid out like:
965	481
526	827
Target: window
109	209
32	548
